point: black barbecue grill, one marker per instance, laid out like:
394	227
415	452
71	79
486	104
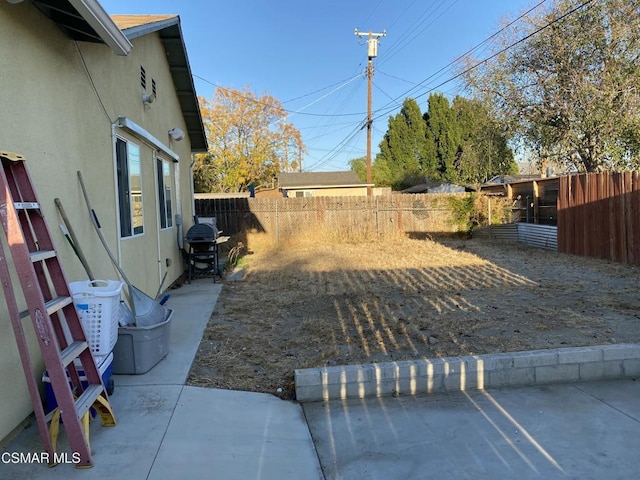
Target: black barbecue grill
202	254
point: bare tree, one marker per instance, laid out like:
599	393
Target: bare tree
566	81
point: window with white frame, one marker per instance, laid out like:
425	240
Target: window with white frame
129	188
165	181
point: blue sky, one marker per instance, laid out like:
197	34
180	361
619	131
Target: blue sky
306	55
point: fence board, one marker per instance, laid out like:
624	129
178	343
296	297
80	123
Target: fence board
345	217
598	216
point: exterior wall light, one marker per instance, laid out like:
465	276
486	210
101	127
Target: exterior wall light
176	134
148	99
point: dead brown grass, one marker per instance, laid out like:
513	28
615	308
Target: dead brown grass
372	301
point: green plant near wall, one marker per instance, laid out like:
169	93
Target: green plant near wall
471	211
462	212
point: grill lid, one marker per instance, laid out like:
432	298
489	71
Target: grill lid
202	232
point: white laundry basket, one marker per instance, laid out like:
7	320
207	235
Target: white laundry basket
97	303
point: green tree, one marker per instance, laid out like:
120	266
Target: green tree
483	150
569	88
443	131
359	165
458	142
403	149
249	142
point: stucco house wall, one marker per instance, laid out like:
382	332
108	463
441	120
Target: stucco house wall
60	100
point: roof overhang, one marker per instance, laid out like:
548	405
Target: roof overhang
87	21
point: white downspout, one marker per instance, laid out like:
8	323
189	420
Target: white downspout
154	158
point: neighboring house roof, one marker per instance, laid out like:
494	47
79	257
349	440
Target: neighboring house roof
320	180
85	21
512	178
168	27
205	196
437	187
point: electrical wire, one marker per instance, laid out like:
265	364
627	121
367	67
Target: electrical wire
449	66
93	85
338	148
325	95
398	46
319	90
290	112
562	17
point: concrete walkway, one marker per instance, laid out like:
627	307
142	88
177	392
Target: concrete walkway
167	430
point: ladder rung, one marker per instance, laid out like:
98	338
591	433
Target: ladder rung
87	399
84	403
26	205
52	306
41	255
72	352
57	303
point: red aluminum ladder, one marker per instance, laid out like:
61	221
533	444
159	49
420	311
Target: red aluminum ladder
57	325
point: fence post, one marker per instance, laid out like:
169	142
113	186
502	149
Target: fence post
377	221
277	223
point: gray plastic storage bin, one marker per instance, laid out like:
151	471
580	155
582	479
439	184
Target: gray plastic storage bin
139	349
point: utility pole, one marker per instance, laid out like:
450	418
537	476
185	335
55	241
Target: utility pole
372	52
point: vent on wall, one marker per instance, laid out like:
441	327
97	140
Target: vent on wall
153	88
143	78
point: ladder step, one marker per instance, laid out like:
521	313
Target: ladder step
41	255
86	400
72	352
52	306
84	403
27	205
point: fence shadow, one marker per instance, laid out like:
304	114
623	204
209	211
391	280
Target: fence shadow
233	218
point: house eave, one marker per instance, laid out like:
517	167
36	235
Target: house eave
86	20
101	22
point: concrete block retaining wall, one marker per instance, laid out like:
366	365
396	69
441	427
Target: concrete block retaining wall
536	367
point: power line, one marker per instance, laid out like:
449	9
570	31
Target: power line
406	42
347	80
326	95
526	37
383	92
267	105
338	148
460	57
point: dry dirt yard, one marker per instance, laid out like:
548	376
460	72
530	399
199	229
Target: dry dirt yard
348	303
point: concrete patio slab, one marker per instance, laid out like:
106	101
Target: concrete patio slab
585	430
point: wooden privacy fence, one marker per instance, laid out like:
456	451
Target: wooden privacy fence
339	217
599	216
